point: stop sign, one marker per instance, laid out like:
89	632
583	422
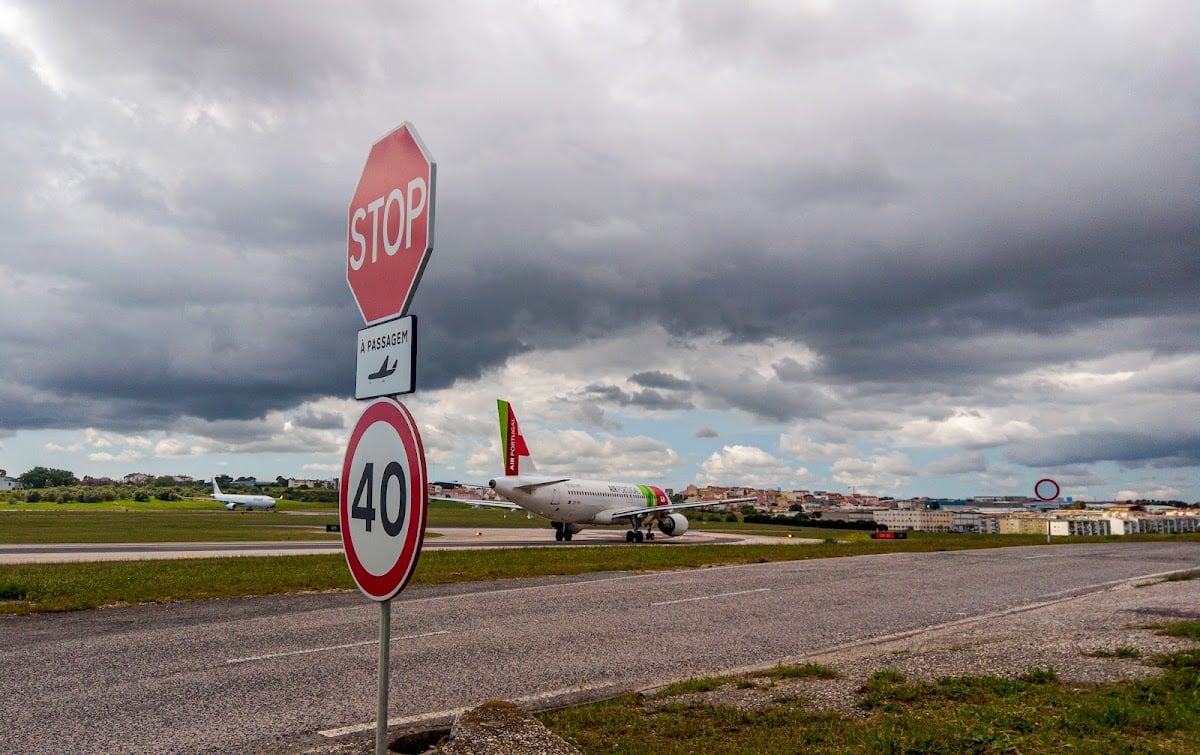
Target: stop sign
390	225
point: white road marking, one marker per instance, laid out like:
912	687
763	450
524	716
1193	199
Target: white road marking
308	651
709	597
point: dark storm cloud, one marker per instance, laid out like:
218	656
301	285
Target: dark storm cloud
768	400
657	400
283	203
319	420
126	378
659	379
925	211
1161	449
645	399
592	414
474	318
219	47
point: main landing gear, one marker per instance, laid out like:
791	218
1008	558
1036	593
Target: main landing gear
634	535
562	532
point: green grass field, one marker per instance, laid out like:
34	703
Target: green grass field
205	521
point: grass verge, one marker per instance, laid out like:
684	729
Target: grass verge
1034	713
78	586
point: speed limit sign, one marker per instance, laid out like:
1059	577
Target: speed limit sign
382	499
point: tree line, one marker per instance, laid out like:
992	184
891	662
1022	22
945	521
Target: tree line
45	484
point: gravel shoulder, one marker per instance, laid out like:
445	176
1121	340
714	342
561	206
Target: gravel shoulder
1078	638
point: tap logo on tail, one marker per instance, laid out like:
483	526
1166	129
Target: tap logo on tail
512	444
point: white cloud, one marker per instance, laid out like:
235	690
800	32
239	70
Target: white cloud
128	456
175	447
881	471
965	428
747	465
797	443
1149	491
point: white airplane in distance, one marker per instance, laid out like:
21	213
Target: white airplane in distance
233	500
572	503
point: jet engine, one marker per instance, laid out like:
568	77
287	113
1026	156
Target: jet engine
230	506
673	525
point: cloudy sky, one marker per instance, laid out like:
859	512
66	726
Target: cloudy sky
902	248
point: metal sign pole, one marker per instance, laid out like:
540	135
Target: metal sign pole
385	646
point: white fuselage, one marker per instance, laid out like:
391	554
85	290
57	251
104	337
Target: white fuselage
233	500
249	501
576	501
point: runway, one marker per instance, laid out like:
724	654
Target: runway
437	538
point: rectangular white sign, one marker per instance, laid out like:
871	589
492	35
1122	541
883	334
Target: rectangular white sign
387	359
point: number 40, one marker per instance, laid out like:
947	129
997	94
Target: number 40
366	511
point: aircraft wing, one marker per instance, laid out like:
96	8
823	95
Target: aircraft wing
530	487
478	502
652	511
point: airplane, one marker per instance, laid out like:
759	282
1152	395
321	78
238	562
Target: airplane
233	500
572	503
384	370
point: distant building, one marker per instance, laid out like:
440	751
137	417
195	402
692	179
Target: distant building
8	483
919	520
966	521
1017	499
1021	523
1079	526
850	514
1159	525
293	482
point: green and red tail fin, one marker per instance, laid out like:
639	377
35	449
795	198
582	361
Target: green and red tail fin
512	445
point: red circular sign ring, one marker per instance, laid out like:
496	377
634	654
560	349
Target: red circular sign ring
1037	485
385	586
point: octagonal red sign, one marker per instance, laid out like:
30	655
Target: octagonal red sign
390	225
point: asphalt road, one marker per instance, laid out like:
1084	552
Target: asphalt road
280	674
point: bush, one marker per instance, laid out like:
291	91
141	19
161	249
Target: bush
13	591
